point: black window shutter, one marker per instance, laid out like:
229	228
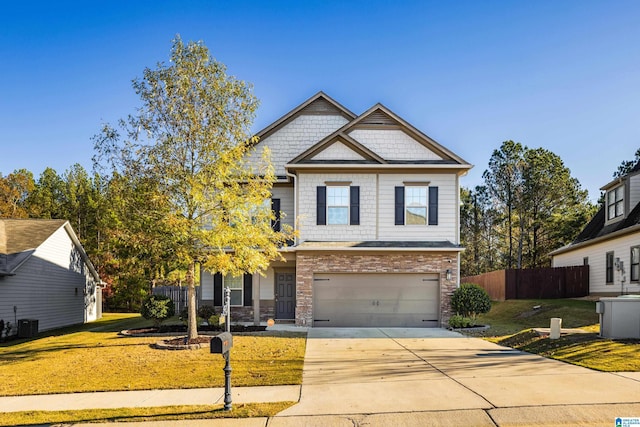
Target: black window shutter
217	289
275	207
433	205
354	205
321	205
248	290
399	206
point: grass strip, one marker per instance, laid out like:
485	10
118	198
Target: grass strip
185	412
587	350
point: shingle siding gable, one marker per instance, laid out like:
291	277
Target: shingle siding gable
295	137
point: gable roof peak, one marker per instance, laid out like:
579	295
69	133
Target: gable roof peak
320	103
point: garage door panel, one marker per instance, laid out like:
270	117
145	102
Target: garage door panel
376	300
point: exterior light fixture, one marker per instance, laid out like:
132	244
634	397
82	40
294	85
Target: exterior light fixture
448	272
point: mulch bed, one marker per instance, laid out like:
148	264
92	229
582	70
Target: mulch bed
182	329
202	339
181	343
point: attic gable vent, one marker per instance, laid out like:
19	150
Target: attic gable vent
379	117
323	107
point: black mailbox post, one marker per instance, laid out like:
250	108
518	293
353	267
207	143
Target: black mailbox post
221	343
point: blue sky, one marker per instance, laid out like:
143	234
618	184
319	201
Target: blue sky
562	75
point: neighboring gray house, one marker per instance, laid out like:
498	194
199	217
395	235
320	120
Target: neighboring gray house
376	202
610	243
46	275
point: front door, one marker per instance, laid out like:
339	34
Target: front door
285	294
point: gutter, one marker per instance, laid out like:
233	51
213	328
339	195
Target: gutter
295	204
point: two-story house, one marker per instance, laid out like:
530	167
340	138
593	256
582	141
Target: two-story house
610	243
376	203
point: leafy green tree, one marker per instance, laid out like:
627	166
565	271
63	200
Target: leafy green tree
551	201
46	200
188	142
626	166
157	308
530	206
15	189
478	224
81	205
503	179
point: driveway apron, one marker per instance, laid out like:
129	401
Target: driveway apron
387	370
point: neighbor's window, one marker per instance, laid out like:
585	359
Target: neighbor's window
337	205
609	269
615	202
635	263
235	285
415	201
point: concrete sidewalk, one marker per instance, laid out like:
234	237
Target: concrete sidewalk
147	398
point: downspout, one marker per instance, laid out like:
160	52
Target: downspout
295	205
295	229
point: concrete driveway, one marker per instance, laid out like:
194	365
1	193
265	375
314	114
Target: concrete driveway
443	378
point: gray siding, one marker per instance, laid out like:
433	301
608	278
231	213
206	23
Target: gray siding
53	286
621	248
295	137
285	194
377	208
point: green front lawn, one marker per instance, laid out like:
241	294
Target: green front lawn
511	322
512	316
94	357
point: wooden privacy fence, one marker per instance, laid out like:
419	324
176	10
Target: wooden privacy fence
534	283
178	295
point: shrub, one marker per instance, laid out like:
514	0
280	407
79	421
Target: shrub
205	312
469	300
184	314
457	321
157	308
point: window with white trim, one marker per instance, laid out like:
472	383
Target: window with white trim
615	202
609	267
337	205
635	263
235	284
415	202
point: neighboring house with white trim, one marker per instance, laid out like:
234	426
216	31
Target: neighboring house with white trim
45	275
610	243
376	203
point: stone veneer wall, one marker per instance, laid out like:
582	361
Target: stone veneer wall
245	314
349	262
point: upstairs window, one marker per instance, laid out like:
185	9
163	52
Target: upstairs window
415	199
416	205
615	202
337	205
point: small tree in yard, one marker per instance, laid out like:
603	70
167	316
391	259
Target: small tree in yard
189	141
157	308
469	300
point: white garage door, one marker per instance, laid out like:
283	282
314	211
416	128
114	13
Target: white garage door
378	300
